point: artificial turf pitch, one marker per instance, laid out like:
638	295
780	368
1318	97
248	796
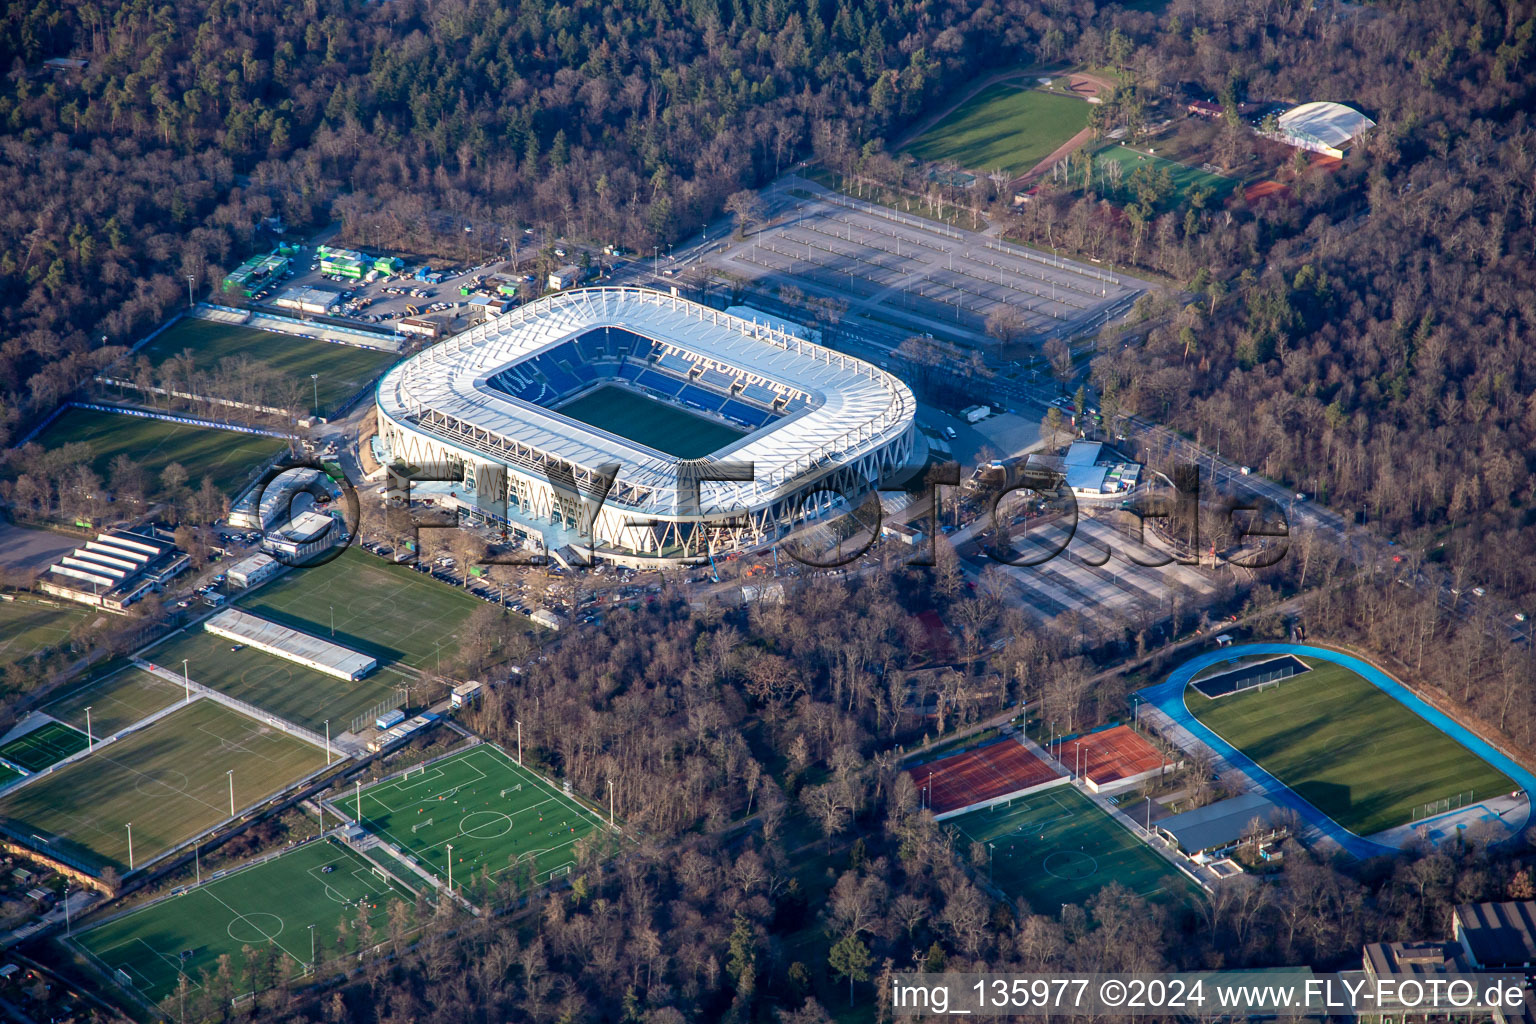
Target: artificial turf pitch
667	428
27	626
389	611
1004	127
116	701
344	369
167	779
48	744
269	904
285	688
1057	847
228	457
497	815
1346	747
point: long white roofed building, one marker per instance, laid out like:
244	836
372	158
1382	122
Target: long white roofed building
531	412
1328	128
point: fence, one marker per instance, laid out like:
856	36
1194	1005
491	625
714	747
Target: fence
384	706
118	382
1444	805
241	706
170	417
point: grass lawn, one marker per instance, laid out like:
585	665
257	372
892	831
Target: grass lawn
1004	126
497	816
1346	747
231	459
275	902
287	689
1058	847
48	744
1184	176
667	428
389	611
344	369
167	779
28	625
116	701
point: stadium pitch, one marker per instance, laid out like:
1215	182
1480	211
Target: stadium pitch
1058	847
285	688
497	815
1347	748
388	611
229	458
28	626
1004	127
670	429
344	369
271	905
168	780
116	701
48	744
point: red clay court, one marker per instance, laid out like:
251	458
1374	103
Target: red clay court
1110	756
985	773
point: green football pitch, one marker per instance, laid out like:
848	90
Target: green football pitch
1346	747
230	458
116	701
668	428
496	814
274	903
1005	126
27	626
287	689
47	744
389	611
1058	847
168	780
1184	176
344	369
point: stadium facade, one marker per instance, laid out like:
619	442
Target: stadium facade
485	404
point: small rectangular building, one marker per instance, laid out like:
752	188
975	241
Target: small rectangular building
419	326
389	719
312	299
254	570
546	618
1223	825
567	277
304	536
466	693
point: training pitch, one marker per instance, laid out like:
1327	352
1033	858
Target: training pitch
229	458
1184	176
1057	847
497	815
344	369
285	688
27	626
1346	747
168	779
270	905
668	428
49	743
1004	127
116	701
389	611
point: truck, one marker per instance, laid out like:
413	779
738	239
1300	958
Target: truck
975	413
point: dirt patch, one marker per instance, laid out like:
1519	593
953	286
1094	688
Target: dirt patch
1088	86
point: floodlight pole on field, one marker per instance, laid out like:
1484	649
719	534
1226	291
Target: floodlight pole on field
231	774
90	740
333	621
359	801
186	680
450	869
327	757
610	803
519	744
130	846
190	279
314	379
311	948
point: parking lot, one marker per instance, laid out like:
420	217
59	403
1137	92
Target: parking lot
915	276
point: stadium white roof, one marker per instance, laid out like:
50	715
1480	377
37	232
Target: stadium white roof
855	407
286	642
1332	124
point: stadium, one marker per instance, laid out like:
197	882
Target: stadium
533	411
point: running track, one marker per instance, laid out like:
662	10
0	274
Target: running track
1168	697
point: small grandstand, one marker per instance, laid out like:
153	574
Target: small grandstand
285	642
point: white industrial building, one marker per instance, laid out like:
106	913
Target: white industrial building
290	644
1328	128
115	570
310	299
305	535
276	498
254	570
483	403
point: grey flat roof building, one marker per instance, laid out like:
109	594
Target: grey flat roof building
1497	935
1219	824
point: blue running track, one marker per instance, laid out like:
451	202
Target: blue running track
1168	697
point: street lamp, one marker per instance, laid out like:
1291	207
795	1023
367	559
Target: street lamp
190	302
231	774
90	739
314	380
450	869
